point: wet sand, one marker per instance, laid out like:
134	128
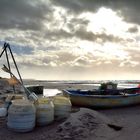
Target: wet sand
86	124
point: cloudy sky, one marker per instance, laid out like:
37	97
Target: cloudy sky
73	39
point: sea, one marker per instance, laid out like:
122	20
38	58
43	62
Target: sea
49	91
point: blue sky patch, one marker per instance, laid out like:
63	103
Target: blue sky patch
21	49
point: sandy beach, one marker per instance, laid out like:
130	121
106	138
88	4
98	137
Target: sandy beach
85	124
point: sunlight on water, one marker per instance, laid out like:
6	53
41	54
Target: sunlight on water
53	92
50	92
127	85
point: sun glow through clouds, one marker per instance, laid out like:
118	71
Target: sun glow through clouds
66	39
105	20
114	50
108	50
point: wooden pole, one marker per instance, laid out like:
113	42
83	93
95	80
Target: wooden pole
9	67
15	63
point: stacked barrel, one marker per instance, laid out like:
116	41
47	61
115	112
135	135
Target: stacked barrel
44	111
3	113
62	107
23	115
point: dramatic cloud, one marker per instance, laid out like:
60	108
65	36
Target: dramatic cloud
23	14
64	39
128	9
133	29
78	6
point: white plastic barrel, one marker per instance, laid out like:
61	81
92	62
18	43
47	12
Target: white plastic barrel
3	113
11	97
44	111
21	116
62	107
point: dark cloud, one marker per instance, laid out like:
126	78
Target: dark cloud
78	6
90	36
82	34
128	9
77	22
26	15
58	34
133	29
73	25
23	14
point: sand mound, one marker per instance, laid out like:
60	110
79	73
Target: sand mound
86	124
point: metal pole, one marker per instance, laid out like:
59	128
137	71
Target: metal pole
15	63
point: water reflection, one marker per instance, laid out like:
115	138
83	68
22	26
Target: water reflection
50	92
53	92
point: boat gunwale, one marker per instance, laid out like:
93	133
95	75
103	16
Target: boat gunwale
102	96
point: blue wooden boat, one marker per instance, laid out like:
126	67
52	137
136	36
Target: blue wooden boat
104	98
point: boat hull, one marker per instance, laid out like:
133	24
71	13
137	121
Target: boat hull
103	101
